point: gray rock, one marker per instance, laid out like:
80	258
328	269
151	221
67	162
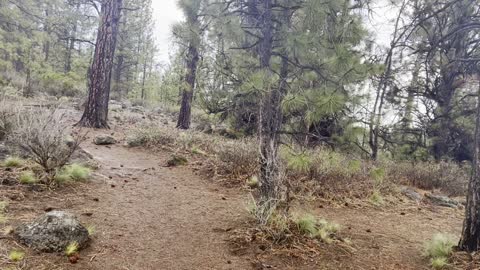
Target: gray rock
412	194
104	140
52	232
442	200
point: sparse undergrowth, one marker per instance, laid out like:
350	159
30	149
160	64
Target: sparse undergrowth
43	135
320	172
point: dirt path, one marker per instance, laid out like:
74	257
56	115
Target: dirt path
153	217
150	217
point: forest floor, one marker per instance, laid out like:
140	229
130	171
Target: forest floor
149	216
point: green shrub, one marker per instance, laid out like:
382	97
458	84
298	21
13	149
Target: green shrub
13	162
27	177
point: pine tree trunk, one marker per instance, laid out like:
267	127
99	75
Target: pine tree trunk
187	96
470	240
96	110
270	121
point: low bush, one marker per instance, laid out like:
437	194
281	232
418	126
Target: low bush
42	133
150	136
450	177
238	158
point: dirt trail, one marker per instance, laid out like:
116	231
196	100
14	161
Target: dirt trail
153	217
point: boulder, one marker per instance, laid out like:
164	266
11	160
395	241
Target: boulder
104	140
412	194
52	232
442	200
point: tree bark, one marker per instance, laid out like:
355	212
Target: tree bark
96	110
184	117
270	119
470	240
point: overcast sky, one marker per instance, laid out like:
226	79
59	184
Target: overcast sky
166	13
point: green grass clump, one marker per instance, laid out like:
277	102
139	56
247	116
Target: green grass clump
321	229
441	245
439	249
13	162
326	230
74	172
307	224
439	263
91	230
71	249
253	182
16	255
27	177
376	198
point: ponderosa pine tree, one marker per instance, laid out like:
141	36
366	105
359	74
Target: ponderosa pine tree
96	109
190	33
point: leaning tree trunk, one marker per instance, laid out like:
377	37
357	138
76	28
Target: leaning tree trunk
187	95
470	240
96	110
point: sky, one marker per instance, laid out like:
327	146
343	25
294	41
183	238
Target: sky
165	13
